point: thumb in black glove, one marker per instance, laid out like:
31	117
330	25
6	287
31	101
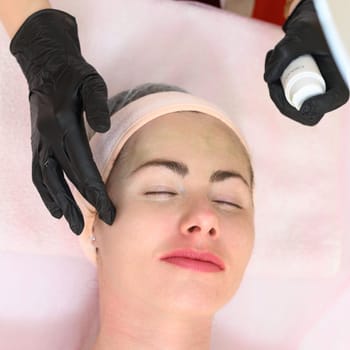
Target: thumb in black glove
304	35
61	85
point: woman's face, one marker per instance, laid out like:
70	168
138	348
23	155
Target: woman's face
166	198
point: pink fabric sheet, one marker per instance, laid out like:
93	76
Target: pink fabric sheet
295	294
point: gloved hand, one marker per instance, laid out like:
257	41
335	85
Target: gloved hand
61	84
304	35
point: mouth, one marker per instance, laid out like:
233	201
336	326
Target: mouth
193	264
203	261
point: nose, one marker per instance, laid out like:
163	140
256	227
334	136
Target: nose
200	217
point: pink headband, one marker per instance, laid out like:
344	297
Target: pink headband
105	147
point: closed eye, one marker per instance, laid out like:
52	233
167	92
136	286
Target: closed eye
231	204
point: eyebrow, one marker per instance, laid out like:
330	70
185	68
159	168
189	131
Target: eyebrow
182	169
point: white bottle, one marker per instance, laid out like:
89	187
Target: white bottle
301	80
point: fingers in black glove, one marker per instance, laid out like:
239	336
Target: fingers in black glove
304	36
56	194
94	96
73	153
61	84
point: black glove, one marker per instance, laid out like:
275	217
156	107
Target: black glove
61	84
304	35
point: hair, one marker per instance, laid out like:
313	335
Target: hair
120	100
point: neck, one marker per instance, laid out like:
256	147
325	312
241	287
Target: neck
133	326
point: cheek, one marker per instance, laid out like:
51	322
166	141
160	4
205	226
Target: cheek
239	239
137	236
139	229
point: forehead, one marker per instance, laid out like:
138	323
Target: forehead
186	129
185	136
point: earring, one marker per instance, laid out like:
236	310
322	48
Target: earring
93	238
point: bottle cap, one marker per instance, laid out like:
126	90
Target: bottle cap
302	86
305	87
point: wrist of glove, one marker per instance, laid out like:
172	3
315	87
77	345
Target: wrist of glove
304	35
45	43
61	85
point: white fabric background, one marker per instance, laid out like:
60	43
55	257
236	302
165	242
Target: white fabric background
295	294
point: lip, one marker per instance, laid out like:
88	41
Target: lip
196	255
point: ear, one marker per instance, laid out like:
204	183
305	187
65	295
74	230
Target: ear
87	243
94	242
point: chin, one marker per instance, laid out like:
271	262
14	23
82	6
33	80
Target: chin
194	300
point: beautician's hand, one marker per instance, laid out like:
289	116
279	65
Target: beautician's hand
304	36
61	84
